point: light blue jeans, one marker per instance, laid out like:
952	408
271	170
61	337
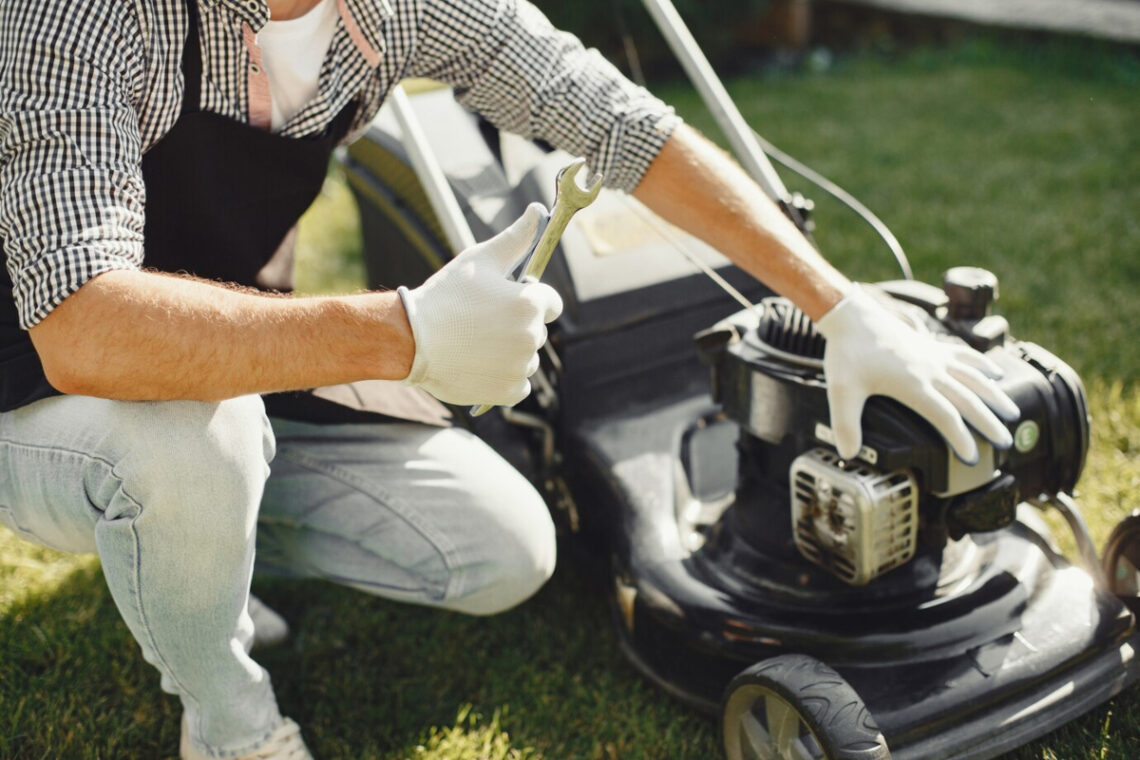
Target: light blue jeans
168	494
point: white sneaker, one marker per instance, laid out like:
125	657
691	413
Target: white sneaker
269	628
283	744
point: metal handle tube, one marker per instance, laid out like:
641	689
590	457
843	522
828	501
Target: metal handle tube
716	99
439	192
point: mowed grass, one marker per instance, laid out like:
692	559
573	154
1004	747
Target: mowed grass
1023	161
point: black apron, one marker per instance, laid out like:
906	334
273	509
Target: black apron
221	197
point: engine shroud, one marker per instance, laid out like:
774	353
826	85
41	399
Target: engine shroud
767	375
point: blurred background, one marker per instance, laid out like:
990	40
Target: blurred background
998	133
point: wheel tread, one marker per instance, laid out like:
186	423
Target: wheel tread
826	703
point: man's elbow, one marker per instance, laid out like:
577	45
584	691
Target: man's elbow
60	344
59	364
67	341
67	380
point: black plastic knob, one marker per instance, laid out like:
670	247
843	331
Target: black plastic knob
971	291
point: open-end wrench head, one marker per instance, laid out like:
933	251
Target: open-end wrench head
569	189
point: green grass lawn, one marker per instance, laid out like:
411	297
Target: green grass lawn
1025	161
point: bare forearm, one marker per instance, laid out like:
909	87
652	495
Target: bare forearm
147	336
697	187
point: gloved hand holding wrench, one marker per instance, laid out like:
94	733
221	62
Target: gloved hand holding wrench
569	197
477	333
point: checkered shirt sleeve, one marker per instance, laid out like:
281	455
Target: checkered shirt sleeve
527	77
71	191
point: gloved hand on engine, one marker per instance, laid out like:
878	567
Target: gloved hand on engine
871	351
477	332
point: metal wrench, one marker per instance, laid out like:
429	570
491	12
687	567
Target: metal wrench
568	199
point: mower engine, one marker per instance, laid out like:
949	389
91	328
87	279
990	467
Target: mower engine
906	491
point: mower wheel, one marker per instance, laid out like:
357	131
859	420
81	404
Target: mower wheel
794	707
1121	559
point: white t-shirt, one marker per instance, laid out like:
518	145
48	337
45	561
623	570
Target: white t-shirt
292	53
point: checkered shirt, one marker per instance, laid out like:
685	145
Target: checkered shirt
88	86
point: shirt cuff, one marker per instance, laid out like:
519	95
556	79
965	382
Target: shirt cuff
633	145
44	283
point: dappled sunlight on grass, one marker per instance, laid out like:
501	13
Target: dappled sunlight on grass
472	738
27	569
1110	487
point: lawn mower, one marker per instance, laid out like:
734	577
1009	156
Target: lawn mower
902	604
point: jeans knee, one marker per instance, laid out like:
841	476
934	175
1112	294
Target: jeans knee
527	570
520	561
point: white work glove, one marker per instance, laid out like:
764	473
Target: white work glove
871	351
477	332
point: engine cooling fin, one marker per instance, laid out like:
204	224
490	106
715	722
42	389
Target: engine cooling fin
784	327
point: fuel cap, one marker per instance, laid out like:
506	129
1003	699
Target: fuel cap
970	291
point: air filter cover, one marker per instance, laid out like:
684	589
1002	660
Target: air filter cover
851	519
